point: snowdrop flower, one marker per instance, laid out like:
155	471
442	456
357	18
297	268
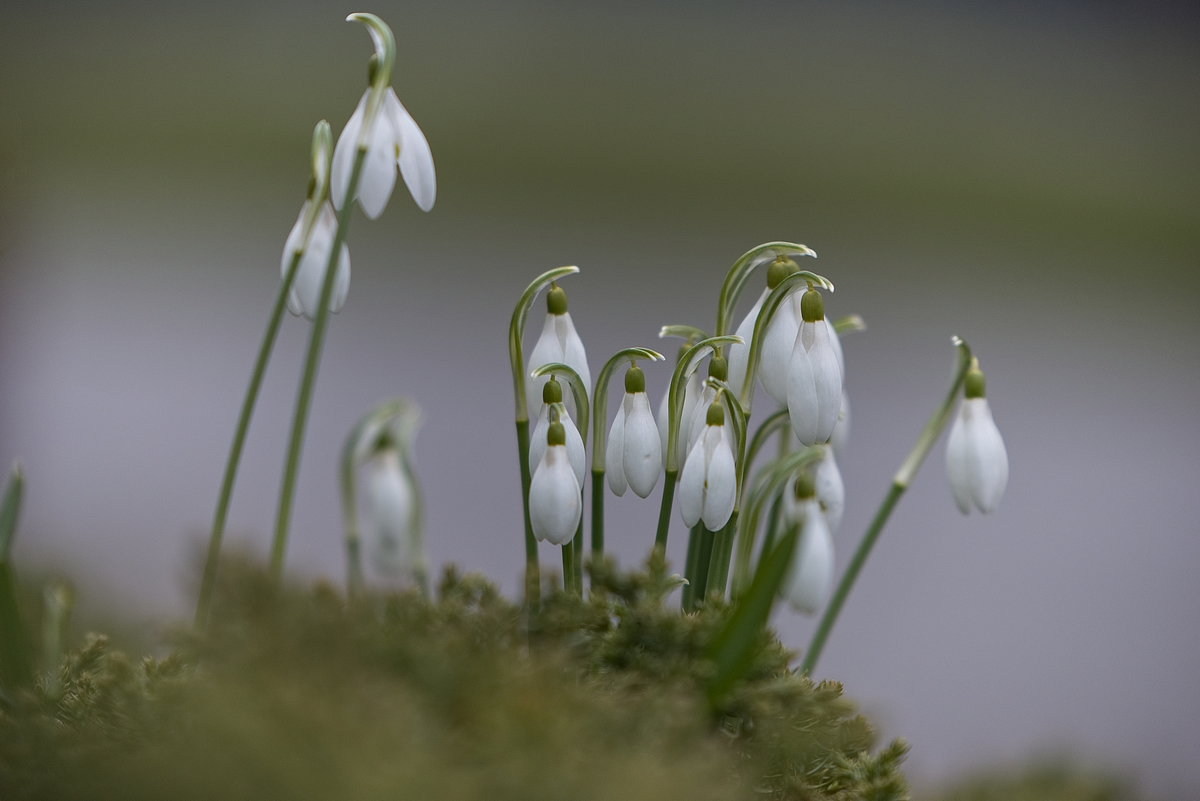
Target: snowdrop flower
558	343
841	429
693	427
780	335
976	460
810	575
708	483
388	135
691	396
555	504
831	490
305	294
814	379
394	516
552	394
634	454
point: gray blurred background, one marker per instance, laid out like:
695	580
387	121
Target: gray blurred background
1027	177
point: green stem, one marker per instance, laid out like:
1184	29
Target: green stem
221	514
308	379
533	579
900	482
597	513
577	557
664	511
718	572
568	562
704	552
689	570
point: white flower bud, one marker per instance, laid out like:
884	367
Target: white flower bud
305	294
634	454
831	490
814	394
392	511
976	459
558	342
691	396
708	482
810	575
575	449
555	505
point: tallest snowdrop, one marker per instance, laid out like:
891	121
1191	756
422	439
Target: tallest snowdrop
386	134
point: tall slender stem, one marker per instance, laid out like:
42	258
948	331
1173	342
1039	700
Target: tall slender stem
689	569
704	552
900	483
597	512
568	562
533	579
308	379
239	438
664	511
577	557
718	571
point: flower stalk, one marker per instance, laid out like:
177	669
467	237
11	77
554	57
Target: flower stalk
900	483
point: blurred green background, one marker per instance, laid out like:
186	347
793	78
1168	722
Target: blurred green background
1024	175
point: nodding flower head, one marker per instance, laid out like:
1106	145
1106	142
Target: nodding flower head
814	379
708	483
558	343
555	503
691	397
692	427
976	459
634	454
810	575
393	513
387	135
552	396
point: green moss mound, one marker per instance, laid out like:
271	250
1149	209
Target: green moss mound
301	693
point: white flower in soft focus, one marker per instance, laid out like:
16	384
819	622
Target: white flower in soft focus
392	509
691	395
708	482
976	459
393	140
555	505
634	454
693	427
778	342
558	343
739	355
305	294
831	490
814	388
810	576
552	393
841	429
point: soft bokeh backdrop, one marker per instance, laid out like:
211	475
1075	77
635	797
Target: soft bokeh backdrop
1026	177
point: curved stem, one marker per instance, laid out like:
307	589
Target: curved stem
739	273
900	482
220	516
308	379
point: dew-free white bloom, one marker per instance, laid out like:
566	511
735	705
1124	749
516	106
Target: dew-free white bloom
558	342
841	429
814	381
976	459
393	140
633	457
693	427
831	490
810	576
739	355
691	396
555	505
708	482
574	442
393	517
305	294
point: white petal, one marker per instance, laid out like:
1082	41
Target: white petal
391	508
841	431
831	490
572	350
691	485
957	462
660	420
828	377
987	458
575	450
814	385
810	577
378	175
835	342
343	154
547	349
289	249
739	355
415	159
720	491
537	440
693	427
642	460
614	454
341	284
802	396
691	396
777	347
555	505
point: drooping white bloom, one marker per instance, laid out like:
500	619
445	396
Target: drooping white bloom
634	454
708	482
976	459
305	294
831	490
739	355
778	343
692	427
814	381
392	140
810	575
558	343
555	505
576	454
393	517
691	396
